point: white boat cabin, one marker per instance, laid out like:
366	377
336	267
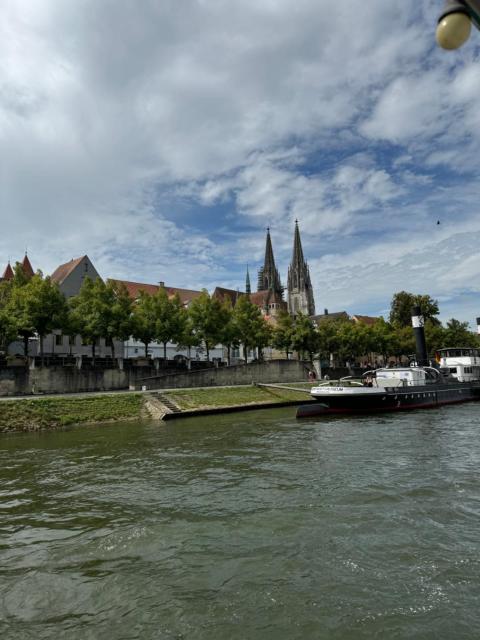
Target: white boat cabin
462	364
400	377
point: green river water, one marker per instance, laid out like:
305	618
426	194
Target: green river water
250	525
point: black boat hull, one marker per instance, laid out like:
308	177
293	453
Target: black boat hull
392	399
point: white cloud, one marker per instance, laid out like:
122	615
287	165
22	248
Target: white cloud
114	114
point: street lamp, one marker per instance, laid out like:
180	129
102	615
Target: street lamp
455	22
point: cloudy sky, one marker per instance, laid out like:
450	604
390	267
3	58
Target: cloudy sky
161	137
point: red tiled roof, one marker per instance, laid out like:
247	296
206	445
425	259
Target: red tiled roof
65	270
134	288
27	267
368	320
8	273
221	294
261	298
336	315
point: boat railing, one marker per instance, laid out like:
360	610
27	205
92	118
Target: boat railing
337	381
351	380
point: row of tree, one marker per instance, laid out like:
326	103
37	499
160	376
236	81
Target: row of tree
36	306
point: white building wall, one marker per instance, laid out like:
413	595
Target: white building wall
135	349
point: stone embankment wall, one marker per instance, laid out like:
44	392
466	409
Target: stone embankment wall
22	381
270	371
56	379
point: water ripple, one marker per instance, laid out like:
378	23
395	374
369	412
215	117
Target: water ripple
247	526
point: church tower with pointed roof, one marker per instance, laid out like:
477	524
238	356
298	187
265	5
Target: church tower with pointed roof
248	288
27	267
268	276
300	292
8	273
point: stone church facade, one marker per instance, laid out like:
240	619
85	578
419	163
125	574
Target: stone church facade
299	285
270	291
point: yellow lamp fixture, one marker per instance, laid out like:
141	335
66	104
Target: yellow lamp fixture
455	22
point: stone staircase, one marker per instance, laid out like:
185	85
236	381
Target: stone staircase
158	406
168	403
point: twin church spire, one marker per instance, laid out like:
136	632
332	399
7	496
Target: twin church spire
299	286
268	276
300	292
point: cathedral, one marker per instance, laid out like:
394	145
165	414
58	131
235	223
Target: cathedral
299	285
270	292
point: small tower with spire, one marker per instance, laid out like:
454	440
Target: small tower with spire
248	288
268	276
27	267
8	273
300	292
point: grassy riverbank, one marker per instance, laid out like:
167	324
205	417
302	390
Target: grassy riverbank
52	413
215	397
56	412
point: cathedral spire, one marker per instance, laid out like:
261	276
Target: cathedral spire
268	276
248	288
300	293
297	257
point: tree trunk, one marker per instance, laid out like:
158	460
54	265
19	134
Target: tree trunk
245	356
165	354
93	352
25	345
40	337
112	347
228	355
146	349
189	351
208	350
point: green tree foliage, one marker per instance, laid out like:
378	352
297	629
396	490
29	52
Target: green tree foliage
207	318
328	337
401	308
101	310
305	338
282	335
12	316
457	334
20	278
169	319
263	336
117	313
38	307
90	312
188	337
228	332
252	329
8	328
382	338
434	336
352	340
144	320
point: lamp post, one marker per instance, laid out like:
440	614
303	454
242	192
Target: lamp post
455	22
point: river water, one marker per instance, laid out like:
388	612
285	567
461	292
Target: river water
244	526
